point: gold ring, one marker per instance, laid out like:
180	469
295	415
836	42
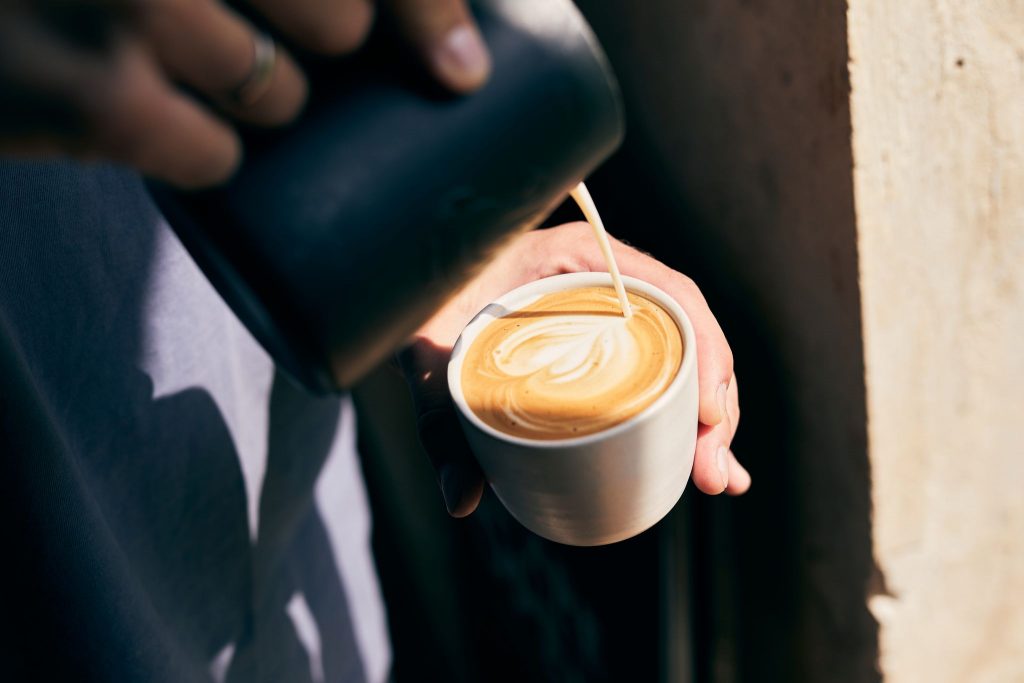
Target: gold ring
257	83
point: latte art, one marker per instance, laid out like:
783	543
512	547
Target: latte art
570	364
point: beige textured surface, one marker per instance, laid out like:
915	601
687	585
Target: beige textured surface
938	118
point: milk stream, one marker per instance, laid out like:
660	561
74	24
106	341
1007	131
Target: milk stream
583	199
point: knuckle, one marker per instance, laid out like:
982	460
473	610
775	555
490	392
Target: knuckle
339	33
293	93
688	290
160	16
111	121
578	250
577	230
217	168
689	285
727	359
115	104
575	235
118	139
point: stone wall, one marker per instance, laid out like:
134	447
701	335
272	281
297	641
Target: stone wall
938	121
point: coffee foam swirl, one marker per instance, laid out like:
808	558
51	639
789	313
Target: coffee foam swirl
569	364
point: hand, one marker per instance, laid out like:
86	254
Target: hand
566	249
100	78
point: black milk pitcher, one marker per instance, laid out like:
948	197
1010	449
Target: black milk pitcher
344	232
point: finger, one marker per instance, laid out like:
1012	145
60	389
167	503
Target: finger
212	49
326	26
139	119
445	35
458	474
711	469
714	357
739	478
116	105
732	400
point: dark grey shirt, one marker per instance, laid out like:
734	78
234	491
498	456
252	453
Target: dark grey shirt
172	509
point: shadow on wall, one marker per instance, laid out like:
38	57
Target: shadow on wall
737	170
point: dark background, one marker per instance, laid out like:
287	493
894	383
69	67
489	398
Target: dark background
736	170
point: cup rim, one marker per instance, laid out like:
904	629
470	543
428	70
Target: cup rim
525	294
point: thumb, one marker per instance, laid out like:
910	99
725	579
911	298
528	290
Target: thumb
458	474
445	35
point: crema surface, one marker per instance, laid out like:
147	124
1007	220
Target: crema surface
570	364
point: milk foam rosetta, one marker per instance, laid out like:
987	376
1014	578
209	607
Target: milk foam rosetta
570	364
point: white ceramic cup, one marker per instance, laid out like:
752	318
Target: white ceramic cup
599	488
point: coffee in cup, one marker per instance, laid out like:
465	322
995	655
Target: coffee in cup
570	364
629	461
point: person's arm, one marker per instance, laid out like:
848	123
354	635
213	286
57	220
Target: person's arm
565	249
107	79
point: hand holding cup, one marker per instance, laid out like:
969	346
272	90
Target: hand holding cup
533	256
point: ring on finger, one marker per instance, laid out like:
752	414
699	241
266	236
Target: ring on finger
258	82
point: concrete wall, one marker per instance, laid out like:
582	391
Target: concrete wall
938	121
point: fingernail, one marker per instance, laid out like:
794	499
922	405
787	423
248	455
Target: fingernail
720	397
722	460
461	58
